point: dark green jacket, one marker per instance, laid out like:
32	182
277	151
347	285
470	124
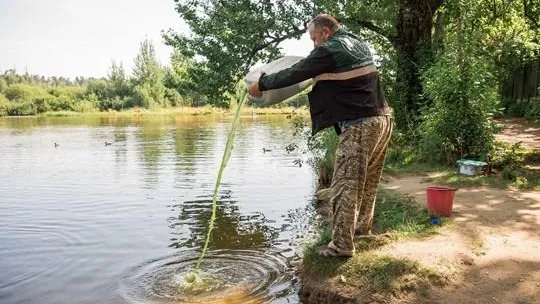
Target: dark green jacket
333	101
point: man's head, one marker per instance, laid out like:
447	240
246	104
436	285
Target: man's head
321	28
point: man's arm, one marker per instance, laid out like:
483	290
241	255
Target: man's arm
319	61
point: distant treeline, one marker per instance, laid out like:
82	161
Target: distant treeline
150	85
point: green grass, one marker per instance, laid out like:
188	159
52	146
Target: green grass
382	273
397	214
387	273
415	168
326	267
400	215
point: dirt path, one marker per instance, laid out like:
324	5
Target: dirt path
492	252
519	129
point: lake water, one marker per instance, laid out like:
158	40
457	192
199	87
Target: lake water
86	222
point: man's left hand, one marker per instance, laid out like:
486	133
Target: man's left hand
254	89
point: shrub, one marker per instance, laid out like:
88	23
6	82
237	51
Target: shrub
4	104
458	124
321	148
506	155
21	108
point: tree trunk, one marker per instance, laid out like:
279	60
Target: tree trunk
414	45
438	34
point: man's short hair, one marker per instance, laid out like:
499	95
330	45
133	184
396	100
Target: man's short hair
324	20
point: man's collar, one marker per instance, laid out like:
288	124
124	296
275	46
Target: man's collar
341	31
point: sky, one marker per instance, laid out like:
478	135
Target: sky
82	37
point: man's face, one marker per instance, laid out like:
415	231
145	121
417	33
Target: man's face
318	35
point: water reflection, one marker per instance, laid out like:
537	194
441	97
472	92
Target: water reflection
119	141
151	147
189	145
232	230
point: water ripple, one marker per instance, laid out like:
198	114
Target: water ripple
226	276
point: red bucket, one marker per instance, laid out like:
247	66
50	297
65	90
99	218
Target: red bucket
440	200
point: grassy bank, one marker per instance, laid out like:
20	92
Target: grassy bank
396	215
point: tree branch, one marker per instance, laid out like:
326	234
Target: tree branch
275	40
372	27
267	35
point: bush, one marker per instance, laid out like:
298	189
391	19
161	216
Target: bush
508	158
401	152
143	97
506	155
322	149
296	101
174	98
61	103
99	88
25	93
70	92
27	99
42	105
532	111
4	104
3	85
525	108
116	103
85	106
458	124
21	108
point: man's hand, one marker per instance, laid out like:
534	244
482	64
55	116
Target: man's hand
254	89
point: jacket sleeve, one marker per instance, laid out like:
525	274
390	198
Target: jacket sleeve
319	61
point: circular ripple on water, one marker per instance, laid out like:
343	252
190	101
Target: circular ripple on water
226	276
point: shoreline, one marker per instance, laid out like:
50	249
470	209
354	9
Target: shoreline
180	111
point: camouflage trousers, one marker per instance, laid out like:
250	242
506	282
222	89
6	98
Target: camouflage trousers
357	173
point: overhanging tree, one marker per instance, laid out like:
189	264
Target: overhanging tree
229	36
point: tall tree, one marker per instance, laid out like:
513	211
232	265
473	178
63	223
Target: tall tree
3	84
148	76
118	80
228	37
178	80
